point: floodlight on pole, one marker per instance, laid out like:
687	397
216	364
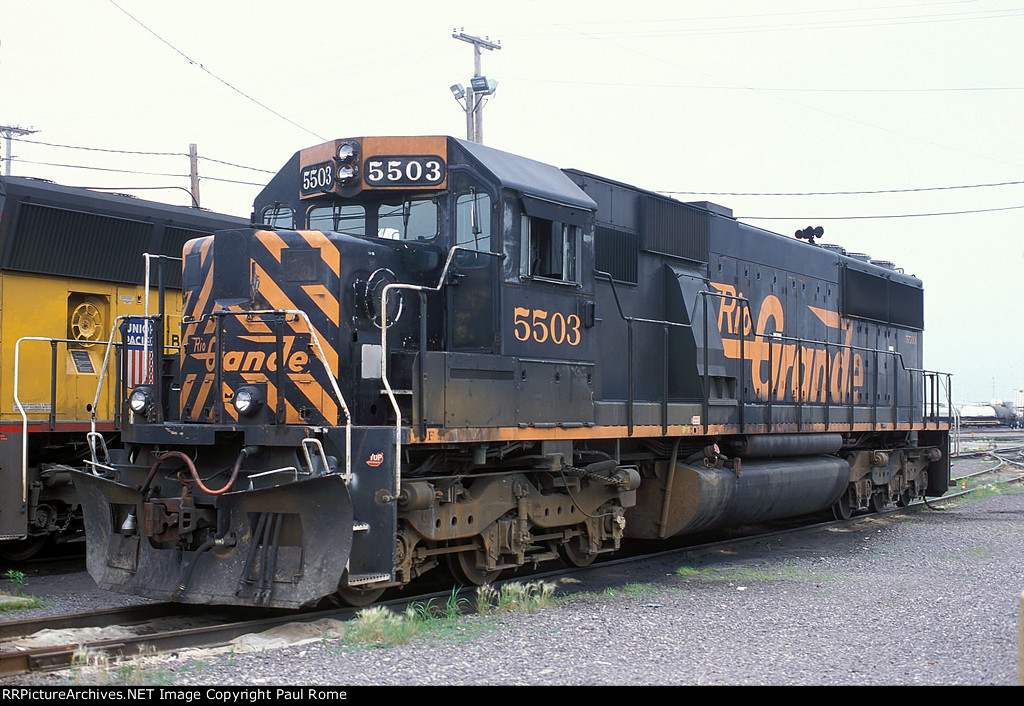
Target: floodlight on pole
479	87
483	86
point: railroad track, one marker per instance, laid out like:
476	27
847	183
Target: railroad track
124	633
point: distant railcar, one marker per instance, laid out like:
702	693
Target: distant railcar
437	353
994	414
71	263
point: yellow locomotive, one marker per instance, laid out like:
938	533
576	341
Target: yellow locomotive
72	264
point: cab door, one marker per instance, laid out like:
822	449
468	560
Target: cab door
471	297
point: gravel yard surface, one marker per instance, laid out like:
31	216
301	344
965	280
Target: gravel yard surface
928	598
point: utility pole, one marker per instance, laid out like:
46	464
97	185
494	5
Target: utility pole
9	131
193	158
479	87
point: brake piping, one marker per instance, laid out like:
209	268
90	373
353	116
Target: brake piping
188	565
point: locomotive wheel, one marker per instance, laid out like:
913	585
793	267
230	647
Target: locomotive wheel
878	502
841	509
355	596
358	597
464	569
22	549
573	552
905	499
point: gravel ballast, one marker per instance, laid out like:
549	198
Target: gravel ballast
929	598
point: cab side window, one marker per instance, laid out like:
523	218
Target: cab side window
279	216
473	225
549	249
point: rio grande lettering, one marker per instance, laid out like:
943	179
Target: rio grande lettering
252	360
808	371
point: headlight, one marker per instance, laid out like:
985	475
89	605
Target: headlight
346	153
140	400
346	173
348	161
247	400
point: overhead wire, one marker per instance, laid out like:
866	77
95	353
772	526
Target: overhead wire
594	35
780	89
873	217
140	153
100	149
597	37
215	76
621	30
664	191
842	193
103	169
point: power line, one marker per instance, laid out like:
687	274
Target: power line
842	193
634	84
100	149
232	164
104	169
218	78
234	181
771	94
147	154
673	27
854	218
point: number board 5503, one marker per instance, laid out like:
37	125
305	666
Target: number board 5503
404	170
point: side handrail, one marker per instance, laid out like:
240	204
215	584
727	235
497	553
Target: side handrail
103	371
147	257
53	401
630	320
386	290
896	356
931	395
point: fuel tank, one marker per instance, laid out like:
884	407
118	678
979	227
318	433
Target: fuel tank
692	498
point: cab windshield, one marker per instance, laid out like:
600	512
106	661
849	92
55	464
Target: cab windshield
393	219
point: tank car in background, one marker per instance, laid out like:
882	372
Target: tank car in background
71	263
435	353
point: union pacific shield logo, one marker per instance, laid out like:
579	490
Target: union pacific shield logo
137	334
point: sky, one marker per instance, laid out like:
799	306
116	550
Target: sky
866	117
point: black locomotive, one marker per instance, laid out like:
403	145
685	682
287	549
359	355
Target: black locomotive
433	352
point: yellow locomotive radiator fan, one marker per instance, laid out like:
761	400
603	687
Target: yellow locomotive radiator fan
86	321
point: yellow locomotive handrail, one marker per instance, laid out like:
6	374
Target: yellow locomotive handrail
24	414
103	374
